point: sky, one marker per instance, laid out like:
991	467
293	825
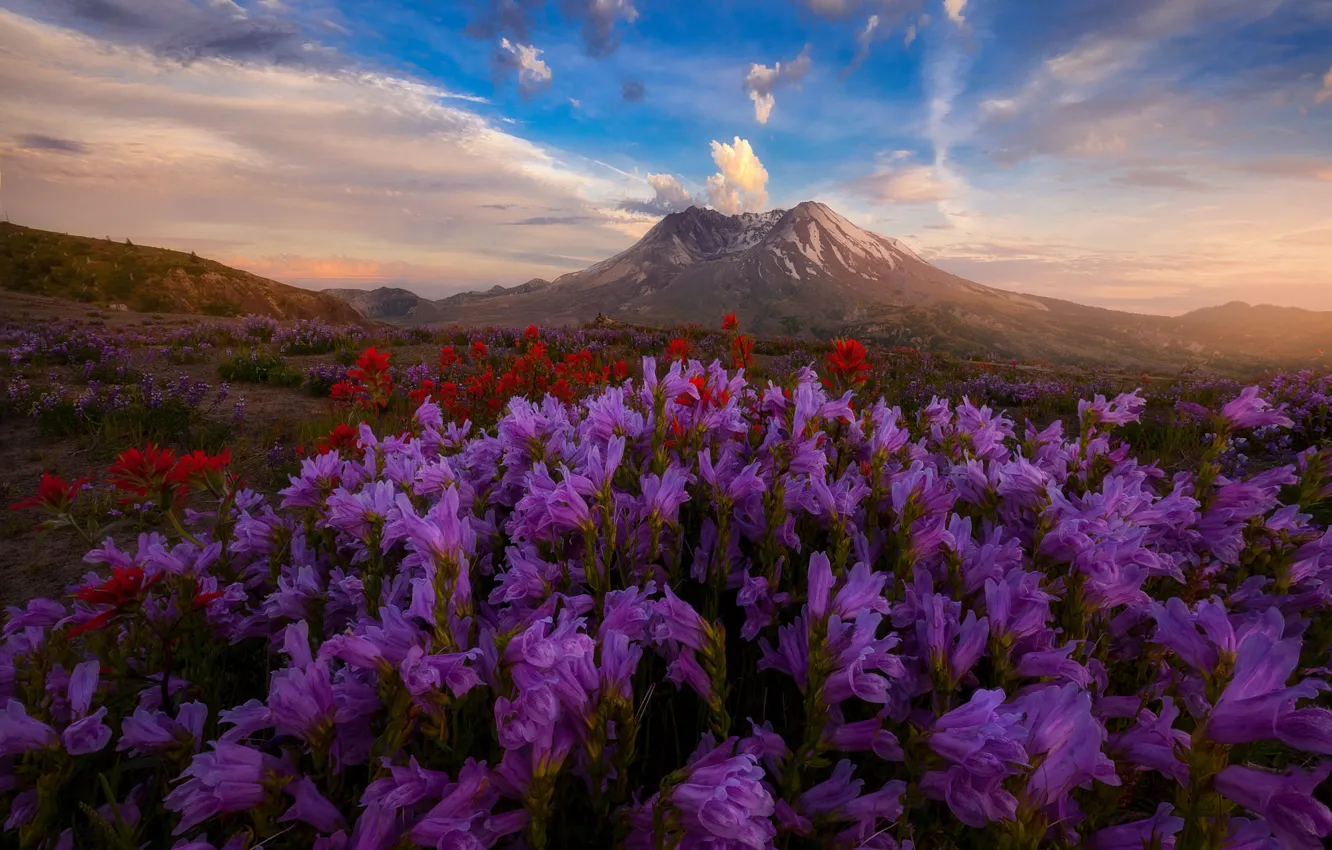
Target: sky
1146	155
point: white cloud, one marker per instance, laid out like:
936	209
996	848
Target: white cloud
668	195
741	184
242	161
902	184
909	36
669	190
1325	93
865	37
761	81
956	10
533	73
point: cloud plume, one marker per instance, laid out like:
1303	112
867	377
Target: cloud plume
669	195
740	185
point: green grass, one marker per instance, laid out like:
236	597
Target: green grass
257	367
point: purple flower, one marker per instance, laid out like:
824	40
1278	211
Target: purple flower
87	735
228	778
984	747
951	647
1153	742
1249	411
1155	831
462	817
145	732
1257	704
1064	741
1285	800
722	800
20	733
424	673
309	806
301	701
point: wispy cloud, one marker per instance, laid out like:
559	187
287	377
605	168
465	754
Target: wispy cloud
284	161
1162	178
523	60
39	142
761	81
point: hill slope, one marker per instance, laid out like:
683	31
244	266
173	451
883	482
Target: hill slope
82	268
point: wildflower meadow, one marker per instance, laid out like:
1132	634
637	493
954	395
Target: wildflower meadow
636	588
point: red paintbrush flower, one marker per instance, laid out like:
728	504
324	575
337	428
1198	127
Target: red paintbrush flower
423	390
202	599
53	494
621	370
742	350
478	349
531	333
447	357
96	623
142	473
371	362
678	349
372	375
125	585
342	437
198	466
730	322
700	384
847	362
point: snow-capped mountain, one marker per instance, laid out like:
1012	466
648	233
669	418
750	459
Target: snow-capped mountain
802	270
810	272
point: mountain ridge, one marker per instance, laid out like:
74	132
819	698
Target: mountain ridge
808	271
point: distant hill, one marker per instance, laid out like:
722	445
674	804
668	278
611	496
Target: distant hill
81	268
385	303
403	307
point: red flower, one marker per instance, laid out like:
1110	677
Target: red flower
447	357
621	370
678	350
375	384
95	624
342	437
372	361
425	389
742	350
202	600
847	362
531	333
125	585
141	473
53	494
478	349
700	383
730	322
198	466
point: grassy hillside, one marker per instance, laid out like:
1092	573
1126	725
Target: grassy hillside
147	279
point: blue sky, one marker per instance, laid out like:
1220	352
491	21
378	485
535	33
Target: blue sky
1155	155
